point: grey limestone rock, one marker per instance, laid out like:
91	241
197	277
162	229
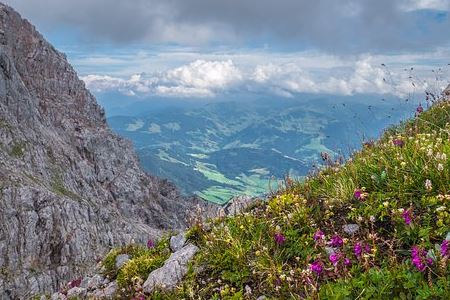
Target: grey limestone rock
121	260
76	292
70	189
350	228
177	242
238	204
93	282
172	272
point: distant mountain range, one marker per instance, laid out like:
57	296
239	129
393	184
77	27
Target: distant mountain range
222	149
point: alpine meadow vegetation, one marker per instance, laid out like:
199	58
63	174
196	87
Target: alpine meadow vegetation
374	227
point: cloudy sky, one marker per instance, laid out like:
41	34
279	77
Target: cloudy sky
206	48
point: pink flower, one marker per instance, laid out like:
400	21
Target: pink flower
419	109
319	235
407	216
444	248
398	142
336	241
75	283
357	249
334	258
347	262
279	238
316	267
419	259
357	194
150	244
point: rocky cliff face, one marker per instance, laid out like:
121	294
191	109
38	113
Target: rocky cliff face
69	188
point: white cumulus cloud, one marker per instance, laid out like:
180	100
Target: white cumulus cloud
198	79
282	75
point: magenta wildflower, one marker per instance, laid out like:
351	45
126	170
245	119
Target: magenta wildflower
319	235
334	258
419	109
419	259
150	244
279	238
357	249
316	267
407	216
357	194
336	241
398	143
347	262
444	248
75	283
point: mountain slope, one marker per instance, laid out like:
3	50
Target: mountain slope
69	188
376	227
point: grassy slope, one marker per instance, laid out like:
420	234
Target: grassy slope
240	257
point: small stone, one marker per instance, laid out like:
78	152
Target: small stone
58	296
330	250
350	228
106	281
261	298
248	290
76	292
85	281
110	290
95	282
177	242
121	260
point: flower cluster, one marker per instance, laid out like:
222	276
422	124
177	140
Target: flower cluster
317	267
407	216
150	244
445	248
359	249
398	142
419	258
279	238
336	241
360	194
319	235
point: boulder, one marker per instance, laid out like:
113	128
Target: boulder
172	272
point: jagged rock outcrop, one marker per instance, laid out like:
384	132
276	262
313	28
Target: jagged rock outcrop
69	188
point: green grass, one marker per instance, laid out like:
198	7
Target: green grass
131	276
397	190
59	188
18	150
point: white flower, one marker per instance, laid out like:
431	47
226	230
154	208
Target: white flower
430	152
441	208
428	185
440	167
444	156
372	219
